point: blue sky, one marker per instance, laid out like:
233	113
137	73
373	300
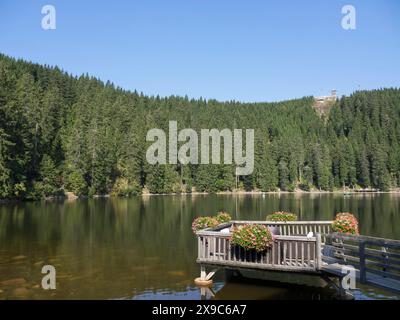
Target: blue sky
222	49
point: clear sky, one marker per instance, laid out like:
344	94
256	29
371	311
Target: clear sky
222	49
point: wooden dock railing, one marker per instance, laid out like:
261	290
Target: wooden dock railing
294	227
376	260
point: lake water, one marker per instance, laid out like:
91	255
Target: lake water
143	247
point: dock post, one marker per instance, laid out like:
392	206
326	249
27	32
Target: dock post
206	291
319	252
337	285
361	254
344	294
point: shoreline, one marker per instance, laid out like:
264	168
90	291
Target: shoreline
69	196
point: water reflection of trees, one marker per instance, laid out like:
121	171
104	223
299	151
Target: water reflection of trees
146	242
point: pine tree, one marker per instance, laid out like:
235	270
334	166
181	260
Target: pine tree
154	179
76	183
226	180
283	176
49	176
321	168
206	177
268	174
171	180
5	172
27	99
363	170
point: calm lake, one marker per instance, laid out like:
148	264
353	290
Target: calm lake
143	247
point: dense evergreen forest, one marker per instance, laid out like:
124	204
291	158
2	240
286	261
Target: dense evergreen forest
61	133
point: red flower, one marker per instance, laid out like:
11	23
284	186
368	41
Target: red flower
252	236
345	222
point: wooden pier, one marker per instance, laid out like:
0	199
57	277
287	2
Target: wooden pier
375	261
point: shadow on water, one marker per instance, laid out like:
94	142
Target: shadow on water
143	247
272	290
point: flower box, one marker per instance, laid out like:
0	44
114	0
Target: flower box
281	216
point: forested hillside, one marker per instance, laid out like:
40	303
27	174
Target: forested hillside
61	133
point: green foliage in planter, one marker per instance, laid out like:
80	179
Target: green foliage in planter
210	222
282	216
223	217
252	237
201	223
